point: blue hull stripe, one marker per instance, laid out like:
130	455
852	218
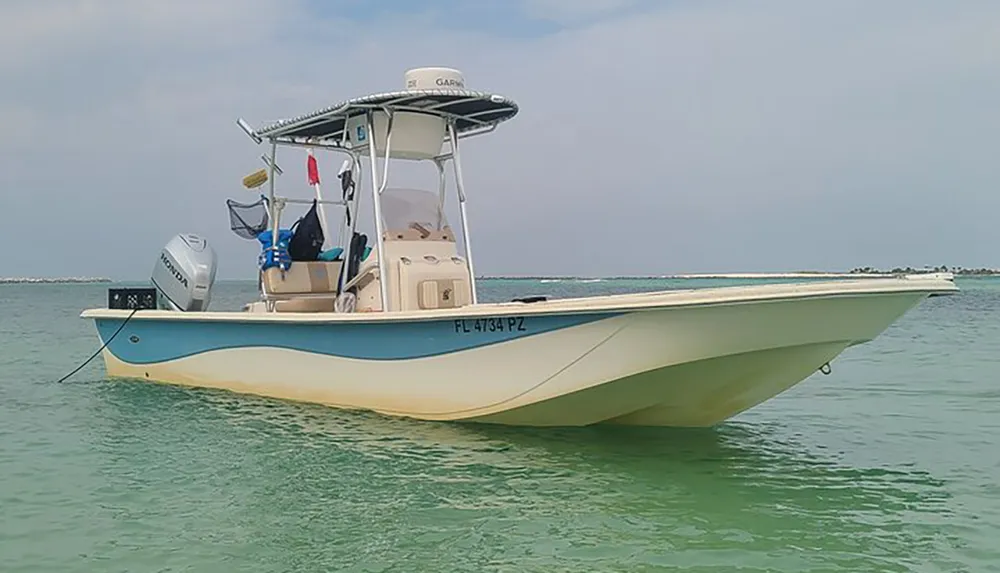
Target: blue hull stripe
152	341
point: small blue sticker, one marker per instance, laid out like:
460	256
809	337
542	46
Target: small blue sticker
361	133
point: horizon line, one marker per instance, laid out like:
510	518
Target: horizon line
870	272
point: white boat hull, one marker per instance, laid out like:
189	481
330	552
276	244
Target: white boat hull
684	358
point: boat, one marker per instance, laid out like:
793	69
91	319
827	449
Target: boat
395	325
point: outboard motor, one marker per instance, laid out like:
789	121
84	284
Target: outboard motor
184	273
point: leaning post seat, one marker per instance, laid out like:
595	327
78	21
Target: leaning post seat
296	285
302	278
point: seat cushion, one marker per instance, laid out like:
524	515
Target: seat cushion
303	277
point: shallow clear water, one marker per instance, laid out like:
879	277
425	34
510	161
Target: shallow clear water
891	463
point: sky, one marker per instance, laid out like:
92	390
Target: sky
654	137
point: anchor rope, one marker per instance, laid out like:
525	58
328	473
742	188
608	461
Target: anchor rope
101	349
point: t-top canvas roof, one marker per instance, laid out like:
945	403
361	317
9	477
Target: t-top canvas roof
435	91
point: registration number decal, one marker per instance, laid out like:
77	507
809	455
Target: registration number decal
491	324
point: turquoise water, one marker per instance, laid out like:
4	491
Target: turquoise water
891	463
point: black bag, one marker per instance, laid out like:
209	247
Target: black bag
358	243
307	237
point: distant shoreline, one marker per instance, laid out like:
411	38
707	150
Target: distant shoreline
856	273
957	271
56	280
683	276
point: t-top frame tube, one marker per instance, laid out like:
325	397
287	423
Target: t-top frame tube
460	185
377	188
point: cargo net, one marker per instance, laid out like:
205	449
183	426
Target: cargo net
247	220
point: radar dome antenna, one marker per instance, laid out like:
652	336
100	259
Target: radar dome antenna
434	79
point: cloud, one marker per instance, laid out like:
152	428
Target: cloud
653	137
570	12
